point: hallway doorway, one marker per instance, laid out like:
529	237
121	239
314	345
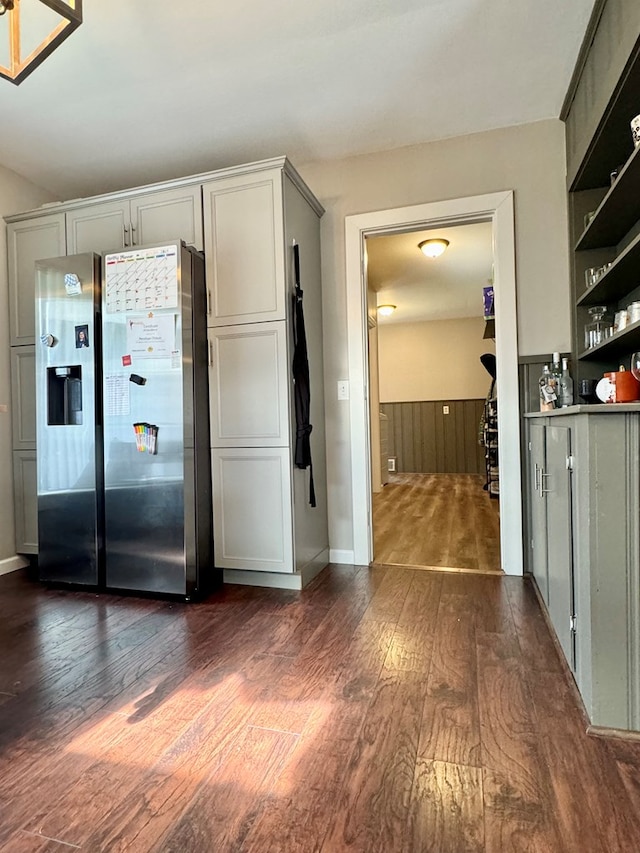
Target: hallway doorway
496	208
432	392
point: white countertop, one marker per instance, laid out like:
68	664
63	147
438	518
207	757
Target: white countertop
584	409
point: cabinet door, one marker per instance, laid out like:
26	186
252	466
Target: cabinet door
98	228
23	397
244	247
252	516
170	215
538	509
560	536
25	499
27	242
248	386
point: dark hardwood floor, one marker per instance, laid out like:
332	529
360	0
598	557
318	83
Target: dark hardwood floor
380	709
437	521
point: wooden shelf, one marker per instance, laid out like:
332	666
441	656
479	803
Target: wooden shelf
617	212
622	343
611	143
621	278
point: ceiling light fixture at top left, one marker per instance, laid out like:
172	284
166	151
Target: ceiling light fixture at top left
35	28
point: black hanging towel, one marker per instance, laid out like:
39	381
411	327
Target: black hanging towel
302	390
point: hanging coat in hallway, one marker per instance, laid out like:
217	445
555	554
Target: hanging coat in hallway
302	389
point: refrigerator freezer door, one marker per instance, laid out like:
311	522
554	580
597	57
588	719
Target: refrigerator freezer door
68	420
143	315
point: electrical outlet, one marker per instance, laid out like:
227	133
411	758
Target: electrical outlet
445	410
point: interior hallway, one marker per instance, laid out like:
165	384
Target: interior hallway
437	520
379	710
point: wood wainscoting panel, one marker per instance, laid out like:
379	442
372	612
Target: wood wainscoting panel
424	440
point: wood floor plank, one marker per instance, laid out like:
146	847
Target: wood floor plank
611	818
536	643
375	805
171	783
517	799
381	709
224	811
451	726
436	520
414	636
298	819
26	842
447	809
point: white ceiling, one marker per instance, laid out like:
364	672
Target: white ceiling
147	90
424	288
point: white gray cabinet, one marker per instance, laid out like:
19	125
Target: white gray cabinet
28	241
25	491
244	248
251	222
252	508
552	525
23	410
137	221
249	385
585	510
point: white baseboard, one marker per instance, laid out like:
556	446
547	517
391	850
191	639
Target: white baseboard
314	567
273	580
342	557
12	564
279	580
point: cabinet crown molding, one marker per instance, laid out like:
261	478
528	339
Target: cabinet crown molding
281	163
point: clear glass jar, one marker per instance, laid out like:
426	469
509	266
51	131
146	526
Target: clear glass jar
598	329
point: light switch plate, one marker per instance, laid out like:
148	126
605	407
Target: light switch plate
343	389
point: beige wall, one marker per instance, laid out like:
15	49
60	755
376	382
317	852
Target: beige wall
16	194
530	160
438	360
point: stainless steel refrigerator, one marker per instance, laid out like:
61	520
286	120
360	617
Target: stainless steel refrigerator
124	487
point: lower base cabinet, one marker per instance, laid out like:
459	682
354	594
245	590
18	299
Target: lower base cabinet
25	492
552	538
252	513
584	515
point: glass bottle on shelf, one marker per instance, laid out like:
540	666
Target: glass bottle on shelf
598	329
548	394
556	370
565	396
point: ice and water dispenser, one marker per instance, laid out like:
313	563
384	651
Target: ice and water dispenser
64	395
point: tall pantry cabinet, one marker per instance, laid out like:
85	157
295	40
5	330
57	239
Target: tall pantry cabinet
246	219
262	518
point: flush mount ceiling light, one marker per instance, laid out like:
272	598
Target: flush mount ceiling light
35	29
386	310
433	248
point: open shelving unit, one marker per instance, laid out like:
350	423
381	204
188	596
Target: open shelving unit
613	233
490	441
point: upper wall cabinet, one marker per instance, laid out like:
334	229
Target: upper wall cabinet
27	242
153	218
244	248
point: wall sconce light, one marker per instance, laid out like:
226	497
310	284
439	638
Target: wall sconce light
386	310
46	24
433	248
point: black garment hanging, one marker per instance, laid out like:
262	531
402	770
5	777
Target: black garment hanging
302	390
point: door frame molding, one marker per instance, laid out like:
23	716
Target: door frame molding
497	208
